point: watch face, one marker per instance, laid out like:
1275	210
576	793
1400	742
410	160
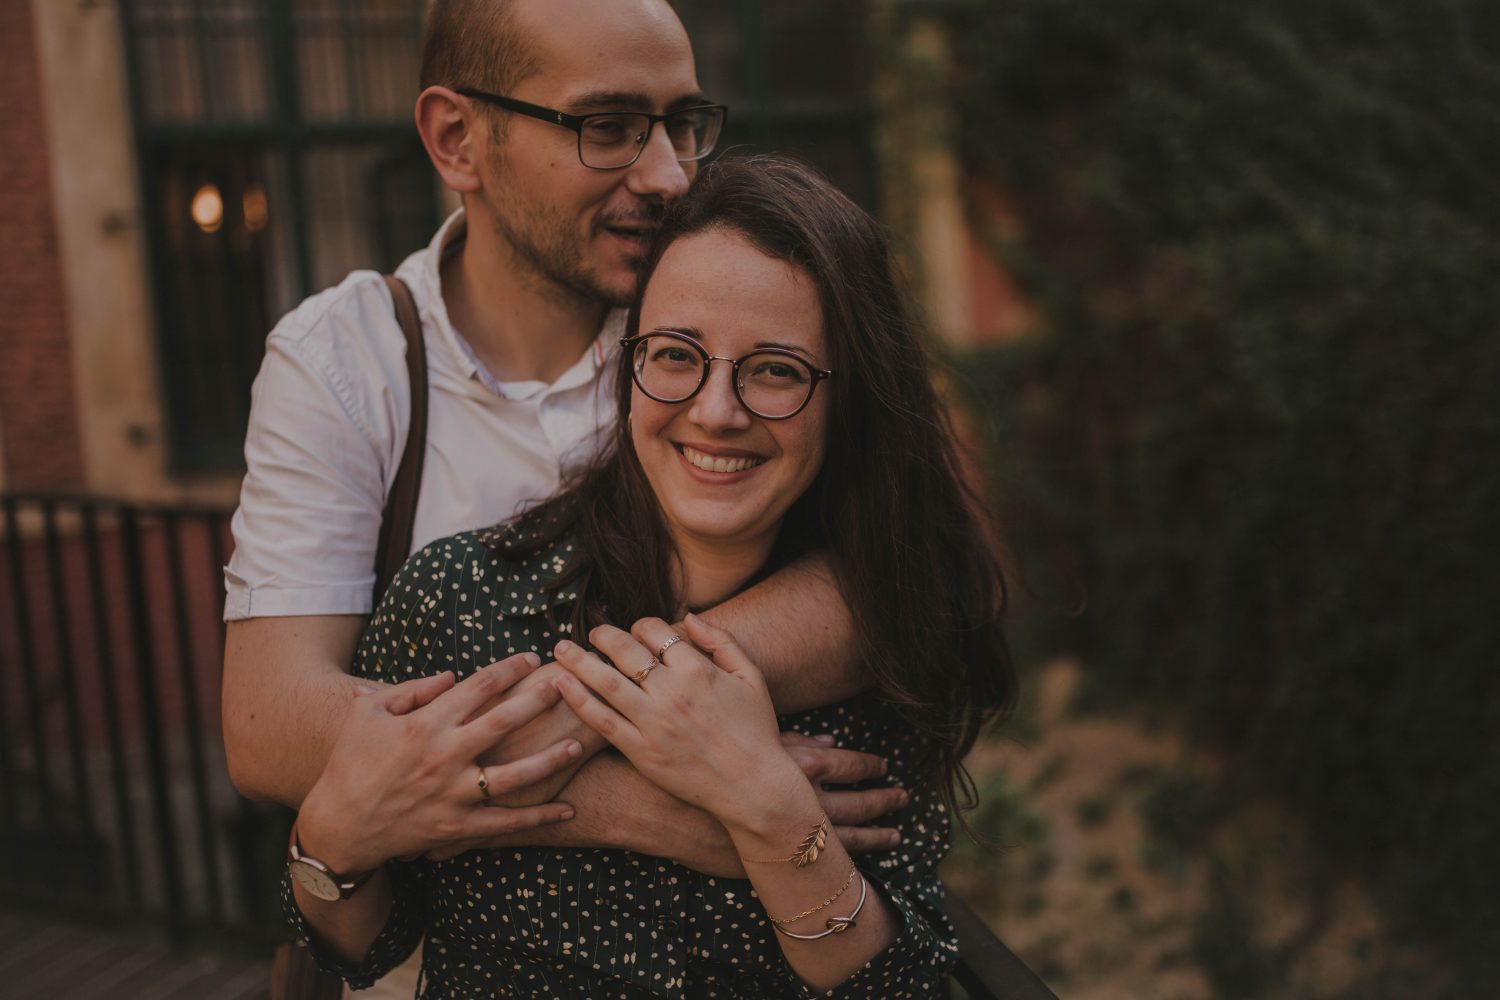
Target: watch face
314	880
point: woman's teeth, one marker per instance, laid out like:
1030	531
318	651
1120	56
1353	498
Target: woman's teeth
718	463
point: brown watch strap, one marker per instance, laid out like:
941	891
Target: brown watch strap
347	886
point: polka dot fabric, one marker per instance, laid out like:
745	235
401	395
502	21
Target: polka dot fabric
596	924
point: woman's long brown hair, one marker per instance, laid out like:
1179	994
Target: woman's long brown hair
889	509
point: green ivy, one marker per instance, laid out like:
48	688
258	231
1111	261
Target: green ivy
1259	421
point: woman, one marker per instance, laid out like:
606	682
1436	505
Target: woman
734	458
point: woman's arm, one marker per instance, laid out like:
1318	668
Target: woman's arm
704	729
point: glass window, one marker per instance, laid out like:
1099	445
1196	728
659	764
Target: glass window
277	155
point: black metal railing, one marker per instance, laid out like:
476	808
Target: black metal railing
114	798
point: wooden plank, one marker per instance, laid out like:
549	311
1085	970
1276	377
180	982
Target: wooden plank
47	957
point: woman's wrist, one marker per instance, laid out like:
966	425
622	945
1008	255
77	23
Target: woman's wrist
774	813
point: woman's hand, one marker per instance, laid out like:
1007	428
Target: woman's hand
700	724
402	778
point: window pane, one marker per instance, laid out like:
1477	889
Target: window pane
358	61
369	206
215	214
201	62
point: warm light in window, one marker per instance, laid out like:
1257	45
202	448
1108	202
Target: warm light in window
257	212
208	208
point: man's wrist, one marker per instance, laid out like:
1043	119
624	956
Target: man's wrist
319	837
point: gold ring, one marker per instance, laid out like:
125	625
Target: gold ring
484	784
640	674
672	640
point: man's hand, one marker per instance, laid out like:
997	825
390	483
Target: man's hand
848	811
402	779
552	726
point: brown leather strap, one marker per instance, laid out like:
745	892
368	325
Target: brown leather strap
401	503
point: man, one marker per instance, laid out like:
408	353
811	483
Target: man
518	295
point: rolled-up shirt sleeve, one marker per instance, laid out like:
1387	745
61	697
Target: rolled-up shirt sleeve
397	939
323	414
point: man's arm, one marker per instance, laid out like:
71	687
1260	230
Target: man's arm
796	628
287	691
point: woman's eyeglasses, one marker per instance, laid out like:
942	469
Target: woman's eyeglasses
772	383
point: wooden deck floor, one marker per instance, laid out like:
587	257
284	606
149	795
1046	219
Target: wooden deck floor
42	958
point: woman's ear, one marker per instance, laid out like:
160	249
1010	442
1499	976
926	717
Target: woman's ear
453	135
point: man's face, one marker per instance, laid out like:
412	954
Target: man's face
583	232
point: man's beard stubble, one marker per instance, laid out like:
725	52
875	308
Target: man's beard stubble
546	246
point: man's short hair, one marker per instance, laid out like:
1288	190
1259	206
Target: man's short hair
474	43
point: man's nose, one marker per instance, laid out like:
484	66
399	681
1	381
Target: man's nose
716	406
657	173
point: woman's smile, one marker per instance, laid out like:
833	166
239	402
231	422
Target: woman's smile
718	462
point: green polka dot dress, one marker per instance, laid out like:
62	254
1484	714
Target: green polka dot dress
597	924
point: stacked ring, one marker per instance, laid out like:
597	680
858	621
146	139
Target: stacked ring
672	640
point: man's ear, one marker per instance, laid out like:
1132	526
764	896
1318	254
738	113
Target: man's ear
454	136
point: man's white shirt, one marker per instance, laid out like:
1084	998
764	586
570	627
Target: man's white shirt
328	418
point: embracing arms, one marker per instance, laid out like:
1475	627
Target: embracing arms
403	772
287	688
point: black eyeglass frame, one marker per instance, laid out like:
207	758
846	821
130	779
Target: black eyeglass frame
576	122
818	374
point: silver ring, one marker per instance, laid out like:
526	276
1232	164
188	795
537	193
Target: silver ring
640	675
484	784
672	640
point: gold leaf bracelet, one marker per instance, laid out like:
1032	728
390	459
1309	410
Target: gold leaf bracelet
806	852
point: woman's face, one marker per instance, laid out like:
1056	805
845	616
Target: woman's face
722	475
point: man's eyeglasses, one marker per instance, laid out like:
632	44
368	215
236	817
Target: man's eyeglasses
609	140
771	383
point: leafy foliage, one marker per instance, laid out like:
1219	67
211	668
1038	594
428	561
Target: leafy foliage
1259	420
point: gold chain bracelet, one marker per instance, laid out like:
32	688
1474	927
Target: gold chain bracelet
806	852
848	880
835	925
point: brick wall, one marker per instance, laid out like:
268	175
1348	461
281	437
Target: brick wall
37	412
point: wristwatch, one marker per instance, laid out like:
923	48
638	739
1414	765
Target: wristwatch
317	878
